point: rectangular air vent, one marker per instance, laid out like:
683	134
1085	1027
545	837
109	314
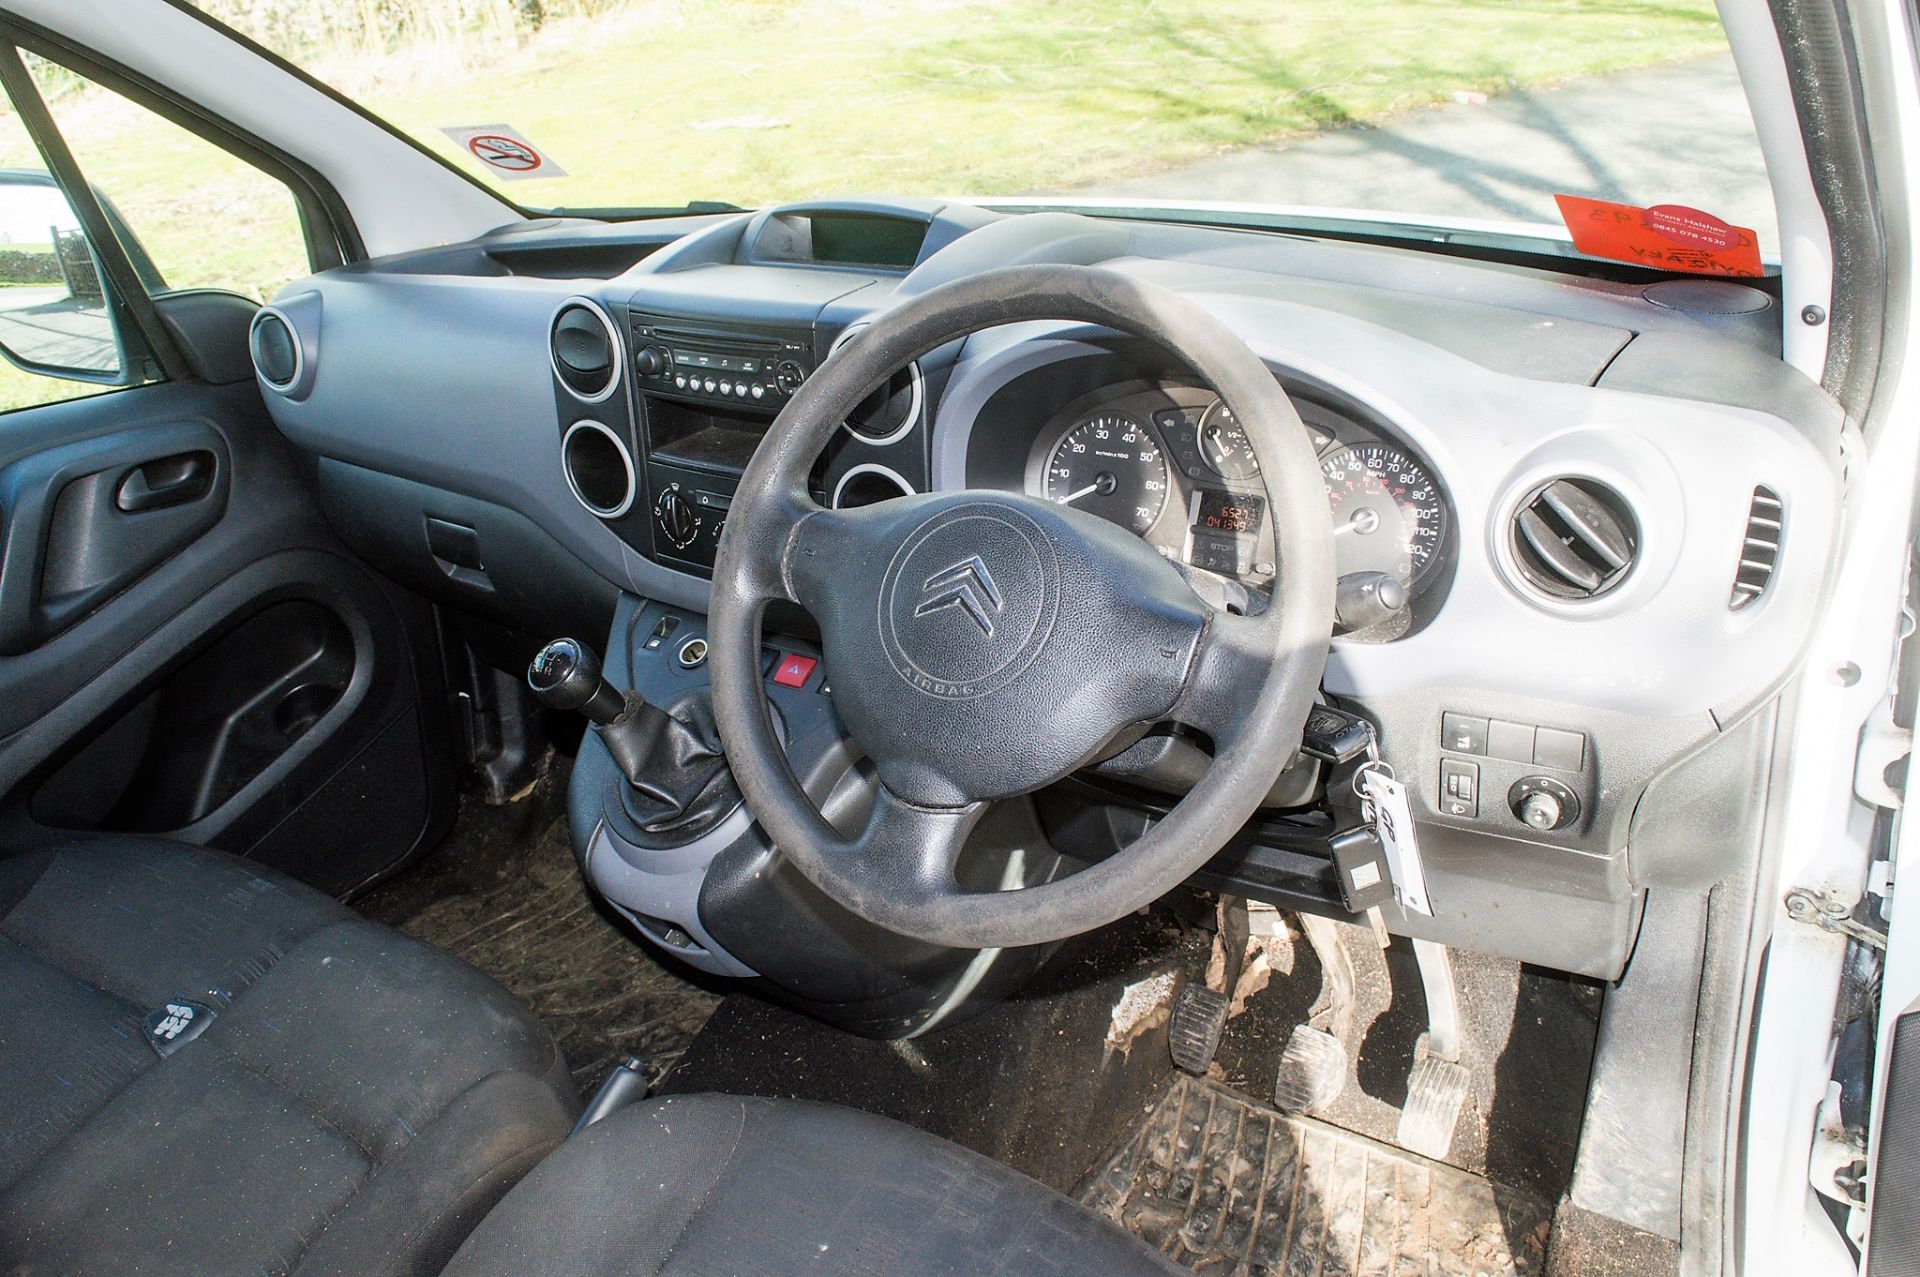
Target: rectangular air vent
1761	549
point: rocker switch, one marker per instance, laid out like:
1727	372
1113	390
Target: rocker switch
1459	788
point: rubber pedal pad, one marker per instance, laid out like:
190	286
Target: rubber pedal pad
1435	1094
1313	1070
1193	1030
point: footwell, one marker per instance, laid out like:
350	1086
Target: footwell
504	894
1227	1186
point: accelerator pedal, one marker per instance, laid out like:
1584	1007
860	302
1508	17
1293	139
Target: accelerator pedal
1435	1094
1438	1086
1313	1069
1193	1030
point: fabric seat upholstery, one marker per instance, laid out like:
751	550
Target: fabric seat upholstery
357	1103
718	1184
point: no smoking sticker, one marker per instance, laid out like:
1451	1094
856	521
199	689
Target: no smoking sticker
504	150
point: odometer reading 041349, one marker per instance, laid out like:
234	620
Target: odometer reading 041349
1387	513
1111	466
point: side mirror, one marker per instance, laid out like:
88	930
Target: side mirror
57	317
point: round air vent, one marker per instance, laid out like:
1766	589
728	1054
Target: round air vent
599	469
1574	539
892	409
586	350
868	485
275	349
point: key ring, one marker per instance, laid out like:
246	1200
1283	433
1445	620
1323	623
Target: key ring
1373	764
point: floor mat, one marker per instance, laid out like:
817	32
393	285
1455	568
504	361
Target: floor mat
1230	1187
1527	1035
504	894
1035	1082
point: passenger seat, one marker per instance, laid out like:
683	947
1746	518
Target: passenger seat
206	1068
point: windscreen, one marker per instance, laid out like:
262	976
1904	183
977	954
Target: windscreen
1477	109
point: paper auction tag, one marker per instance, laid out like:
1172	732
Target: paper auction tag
1392	814
1665	237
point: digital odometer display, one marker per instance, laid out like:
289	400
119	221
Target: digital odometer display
1237	513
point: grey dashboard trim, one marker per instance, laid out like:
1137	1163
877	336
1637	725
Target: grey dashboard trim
1663	645
666	885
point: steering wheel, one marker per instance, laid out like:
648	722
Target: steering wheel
982	645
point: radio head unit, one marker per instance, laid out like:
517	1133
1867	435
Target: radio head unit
741	368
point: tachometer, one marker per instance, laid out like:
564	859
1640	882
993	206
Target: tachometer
1110	466
1387	513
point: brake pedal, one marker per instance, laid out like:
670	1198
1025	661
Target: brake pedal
1313	1069
1193	1030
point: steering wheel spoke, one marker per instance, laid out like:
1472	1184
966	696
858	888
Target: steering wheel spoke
1234	657
907	853
823	542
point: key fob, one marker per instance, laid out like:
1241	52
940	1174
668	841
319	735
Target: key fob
1362	866
1335	736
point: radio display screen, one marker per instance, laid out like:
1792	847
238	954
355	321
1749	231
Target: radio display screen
1235	512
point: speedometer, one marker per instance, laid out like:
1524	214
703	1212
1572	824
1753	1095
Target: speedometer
1387	513
1111	466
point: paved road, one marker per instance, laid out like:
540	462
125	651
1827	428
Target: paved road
1673	134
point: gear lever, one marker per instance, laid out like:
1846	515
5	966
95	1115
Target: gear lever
566	675
678	782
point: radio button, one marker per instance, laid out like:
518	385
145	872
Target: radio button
726	387
759	391
708	385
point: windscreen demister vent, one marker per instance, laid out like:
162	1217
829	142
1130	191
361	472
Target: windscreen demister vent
1760	552
1574	539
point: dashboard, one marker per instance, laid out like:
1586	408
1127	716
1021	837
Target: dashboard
1582	525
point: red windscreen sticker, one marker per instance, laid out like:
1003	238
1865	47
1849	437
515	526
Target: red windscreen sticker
1665	237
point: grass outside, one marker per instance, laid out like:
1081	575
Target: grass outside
754	101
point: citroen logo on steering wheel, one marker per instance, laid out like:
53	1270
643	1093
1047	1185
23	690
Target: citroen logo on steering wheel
966	585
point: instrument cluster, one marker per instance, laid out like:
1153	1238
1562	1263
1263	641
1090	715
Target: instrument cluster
1171	465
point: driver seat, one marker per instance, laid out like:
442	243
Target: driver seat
705	1185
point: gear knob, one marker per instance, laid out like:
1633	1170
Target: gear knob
565	675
